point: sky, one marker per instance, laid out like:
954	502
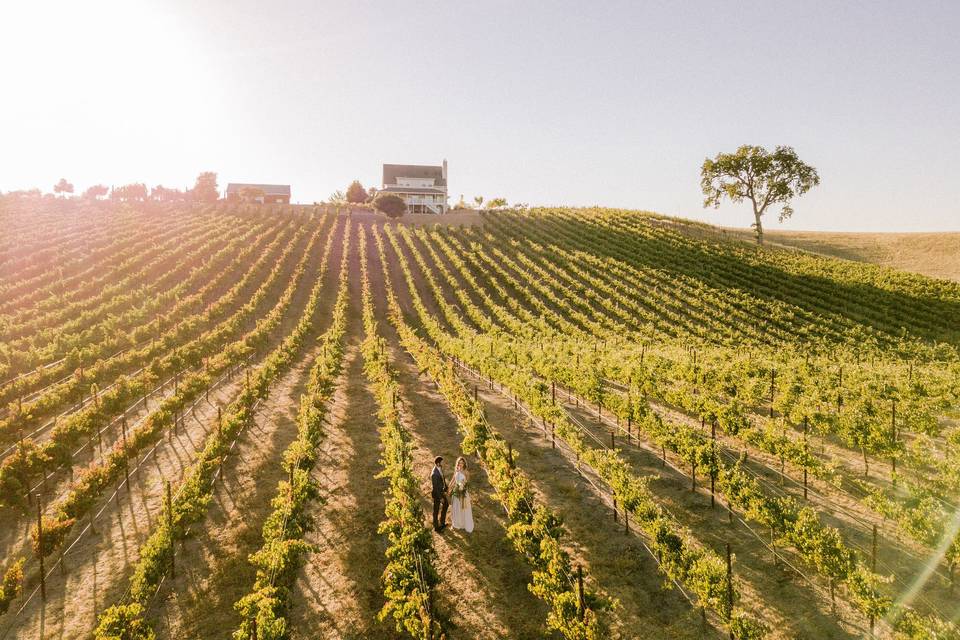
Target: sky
545	103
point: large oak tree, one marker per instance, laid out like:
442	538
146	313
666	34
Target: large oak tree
765	179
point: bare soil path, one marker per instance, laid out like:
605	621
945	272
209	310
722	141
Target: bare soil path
338	592
780	595
98	567
214	570
616	562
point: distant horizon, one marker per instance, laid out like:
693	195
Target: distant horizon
706	219
561	103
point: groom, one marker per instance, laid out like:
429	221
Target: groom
439	493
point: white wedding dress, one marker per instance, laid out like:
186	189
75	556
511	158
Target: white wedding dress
461	515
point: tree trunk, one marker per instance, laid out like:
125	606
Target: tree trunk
758	227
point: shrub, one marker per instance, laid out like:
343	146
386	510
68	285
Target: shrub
390	204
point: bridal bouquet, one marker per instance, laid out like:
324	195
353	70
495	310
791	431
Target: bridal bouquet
459	490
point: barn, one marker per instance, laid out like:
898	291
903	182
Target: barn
262	193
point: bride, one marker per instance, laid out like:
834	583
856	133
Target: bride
461	514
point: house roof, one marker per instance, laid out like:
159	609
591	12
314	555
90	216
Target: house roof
393	171
268	189
396	189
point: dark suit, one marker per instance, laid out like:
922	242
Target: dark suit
439	493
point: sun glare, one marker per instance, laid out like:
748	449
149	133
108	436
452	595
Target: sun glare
92	77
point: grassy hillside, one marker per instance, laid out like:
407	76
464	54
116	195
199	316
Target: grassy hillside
932	254
725	440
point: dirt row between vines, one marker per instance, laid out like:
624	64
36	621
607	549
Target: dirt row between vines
199	601
896	555
760	582
16	522
99	566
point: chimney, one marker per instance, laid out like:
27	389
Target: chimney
444	174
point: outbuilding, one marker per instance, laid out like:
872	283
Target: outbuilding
262	193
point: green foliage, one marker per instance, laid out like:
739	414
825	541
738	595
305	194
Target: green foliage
12	584
390	204
763	178
123	622
205	188
356	194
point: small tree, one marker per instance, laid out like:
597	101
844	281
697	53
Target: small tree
252	194
390	204
96	192
163	194
356	194
477	199
63	187
337	197
135	191
496	203
762	178
205	190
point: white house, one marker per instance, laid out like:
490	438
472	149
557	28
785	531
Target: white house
422	187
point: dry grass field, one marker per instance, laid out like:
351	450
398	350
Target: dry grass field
931	254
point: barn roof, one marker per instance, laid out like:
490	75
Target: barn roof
268	189
393	171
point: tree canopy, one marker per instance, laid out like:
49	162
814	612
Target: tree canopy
252	194
356	194
390	204
205	190
135	191
96	192
765	179
63	186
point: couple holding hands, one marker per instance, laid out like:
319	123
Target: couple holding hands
461	515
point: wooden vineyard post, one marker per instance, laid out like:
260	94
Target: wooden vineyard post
613	442
873	551
729	588
615	507
806	422
510	455
126	458
23	463
173	567
626	520
99	433
773	378
629	429
693	475
43	576
580	604
553	435
663	455
893	437
553	392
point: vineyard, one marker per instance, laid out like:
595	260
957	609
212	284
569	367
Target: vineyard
219	421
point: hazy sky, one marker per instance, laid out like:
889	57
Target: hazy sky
574	103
